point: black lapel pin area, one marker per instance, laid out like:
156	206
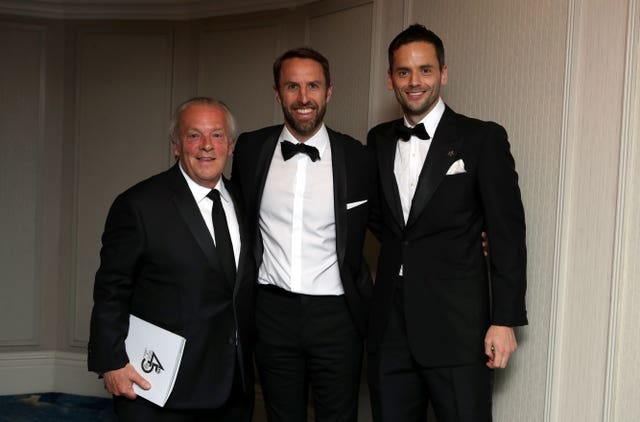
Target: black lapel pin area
451	153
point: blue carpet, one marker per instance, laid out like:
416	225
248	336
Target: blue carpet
55	407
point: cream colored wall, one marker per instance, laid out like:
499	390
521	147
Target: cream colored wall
83	101
559	76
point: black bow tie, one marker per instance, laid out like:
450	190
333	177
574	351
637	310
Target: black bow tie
290	149
405	133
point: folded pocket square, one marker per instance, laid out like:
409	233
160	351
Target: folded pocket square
456	168
355	204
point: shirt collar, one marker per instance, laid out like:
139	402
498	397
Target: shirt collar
432	119
200	192
319	140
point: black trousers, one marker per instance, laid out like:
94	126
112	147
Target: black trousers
238	408
307	340
401	388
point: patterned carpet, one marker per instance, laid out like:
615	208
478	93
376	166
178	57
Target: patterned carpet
55	407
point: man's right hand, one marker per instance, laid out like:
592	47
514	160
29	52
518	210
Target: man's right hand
119	382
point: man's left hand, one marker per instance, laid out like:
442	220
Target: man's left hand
499	343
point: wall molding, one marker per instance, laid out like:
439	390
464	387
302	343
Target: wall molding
561	234
141	9
38	189
630	72
48	372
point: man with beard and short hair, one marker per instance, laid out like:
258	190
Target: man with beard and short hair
438	325
307	191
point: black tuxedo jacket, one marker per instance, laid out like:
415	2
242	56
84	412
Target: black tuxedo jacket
353	180
158	262
448	299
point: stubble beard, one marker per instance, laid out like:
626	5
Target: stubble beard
305	129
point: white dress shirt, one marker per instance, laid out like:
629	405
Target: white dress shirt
205	205
410	157
297	221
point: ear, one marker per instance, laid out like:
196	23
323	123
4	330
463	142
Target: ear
329	92
277	94
230	149
389	81
176	150
444	77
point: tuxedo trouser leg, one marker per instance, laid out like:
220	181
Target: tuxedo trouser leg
334	358
141	410
279	355
239	406
397	390
460	393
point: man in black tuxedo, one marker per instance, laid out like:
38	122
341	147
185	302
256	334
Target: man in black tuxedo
438	324
163	260
307	190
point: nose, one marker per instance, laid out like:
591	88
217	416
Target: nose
207	143
414	79
302	95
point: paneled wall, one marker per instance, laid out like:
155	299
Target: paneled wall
120	135
84	107
22	92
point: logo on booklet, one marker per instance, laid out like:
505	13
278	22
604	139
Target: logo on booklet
150	362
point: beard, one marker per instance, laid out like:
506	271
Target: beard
417	109
307	128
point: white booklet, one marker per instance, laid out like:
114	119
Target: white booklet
156	354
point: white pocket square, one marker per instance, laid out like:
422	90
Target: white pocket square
456	168
356	203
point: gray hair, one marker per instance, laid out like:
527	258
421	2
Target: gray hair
175	119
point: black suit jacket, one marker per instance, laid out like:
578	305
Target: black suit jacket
158	262
353	180
449	302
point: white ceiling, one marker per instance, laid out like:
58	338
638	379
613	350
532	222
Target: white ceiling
140	9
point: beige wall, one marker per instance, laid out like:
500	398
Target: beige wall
84	106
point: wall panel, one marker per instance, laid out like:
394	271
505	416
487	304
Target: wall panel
122	109
234	65
22	97
625	389
343	35
506	63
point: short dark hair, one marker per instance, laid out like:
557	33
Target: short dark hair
417	33
175	119
301	53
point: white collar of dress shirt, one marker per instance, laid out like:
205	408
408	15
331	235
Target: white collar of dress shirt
200	192
432	118
319	140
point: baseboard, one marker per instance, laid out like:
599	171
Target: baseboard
48	371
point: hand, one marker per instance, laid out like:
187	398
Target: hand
485	243
119	382
499	343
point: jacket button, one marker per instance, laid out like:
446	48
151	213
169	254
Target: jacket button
231	340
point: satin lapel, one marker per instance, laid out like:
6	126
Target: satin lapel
339	167
386	151
188	210
444	151
263	163
245	241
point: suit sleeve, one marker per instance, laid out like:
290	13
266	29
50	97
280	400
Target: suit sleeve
505	226
375	213
122	245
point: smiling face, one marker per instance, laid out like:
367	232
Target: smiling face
303	93
203	143
416	78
